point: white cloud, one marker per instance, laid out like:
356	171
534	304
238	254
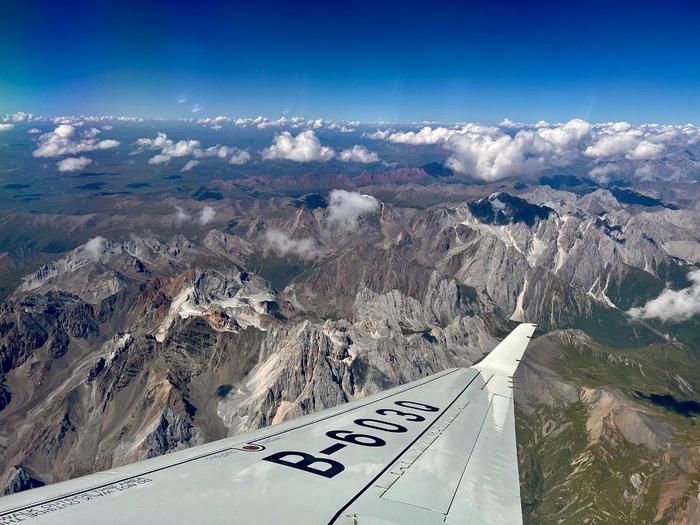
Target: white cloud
90	133
189	165
189	148
65	131
601	174
426	135
65	140
358	154
345	207
283	245
491	154
673	305
239	157
181	215
73	164
34	131
6	127
305	147
196	108
646	150
567	135
94	248
490	158
231	154
610	145
379	134
20	116
160	141
207	215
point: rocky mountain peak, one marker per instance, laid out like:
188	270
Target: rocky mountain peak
502	208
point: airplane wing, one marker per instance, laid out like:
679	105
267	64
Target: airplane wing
438	450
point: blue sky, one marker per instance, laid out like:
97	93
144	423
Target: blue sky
392	61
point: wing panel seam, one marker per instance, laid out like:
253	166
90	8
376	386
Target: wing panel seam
389	464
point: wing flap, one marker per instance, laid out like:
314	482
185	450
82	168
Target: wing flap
489	490
432	480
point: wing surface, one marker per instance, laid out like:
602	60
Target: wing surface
438	450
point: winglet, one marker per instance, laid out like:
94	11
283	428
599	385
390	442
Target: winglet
505	358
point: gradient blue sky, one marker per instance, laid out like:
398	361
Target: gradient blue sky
392	61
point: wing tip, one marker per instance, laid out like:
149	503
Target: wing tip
505	357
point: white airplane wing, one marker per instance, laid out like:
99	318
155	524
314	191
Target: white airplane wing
438	450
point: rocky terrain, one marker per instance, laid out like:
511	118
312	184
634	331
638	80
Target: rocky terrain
130	346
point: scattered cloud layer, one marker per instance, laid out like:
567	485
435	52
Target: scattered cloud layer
511	149
305	147
345	207
673	305
73	164
261	122
605	151
67	140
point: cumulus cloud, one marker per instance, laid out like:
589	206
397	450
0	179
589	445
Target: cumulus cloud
239	157
380	134
426	135
73	164
170	149
181	215
646	150
20	116
490	154
649	151
567	135
673	305
358	154
230	154
34	131
189	165
94	248
345	207
6	127
261	122
66	140
602	173
283	245
206	215
612	144
305	147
